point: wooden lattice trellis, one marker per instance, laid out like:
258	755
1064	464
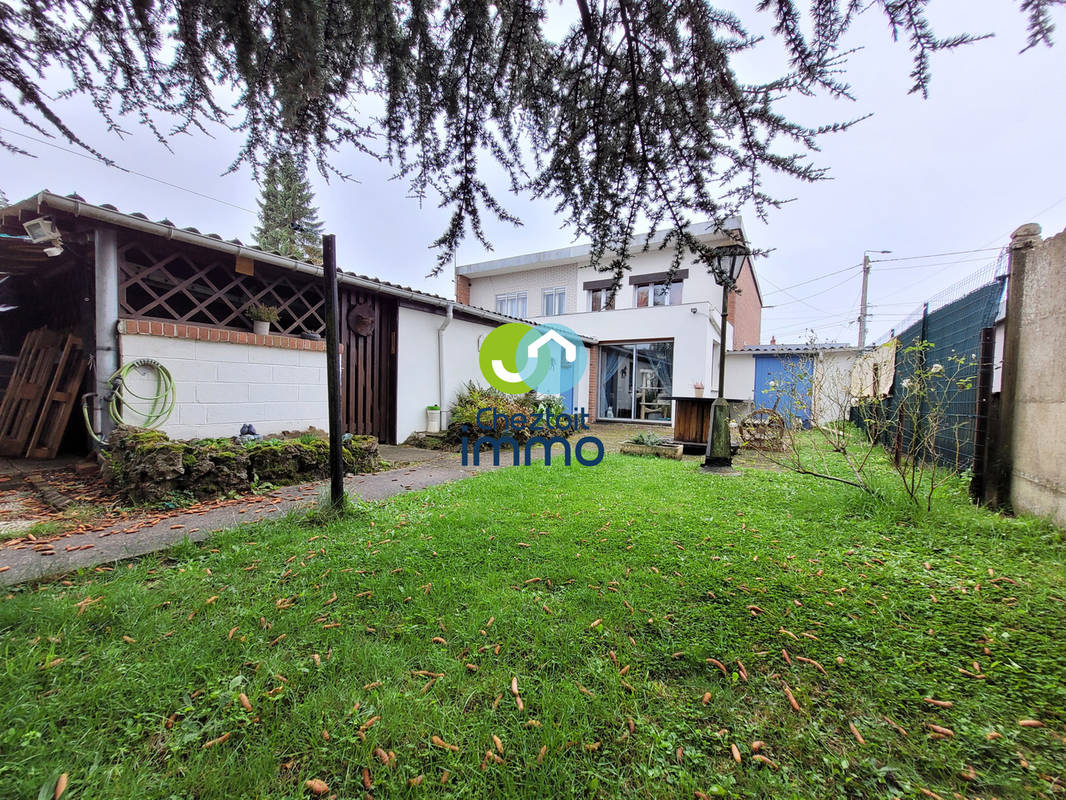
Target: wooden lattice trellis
180	286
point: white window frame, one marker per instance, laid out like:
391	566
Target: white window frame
556	294
513	304
603	307
654	292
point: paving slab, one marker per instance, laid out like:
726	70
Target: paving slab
93	548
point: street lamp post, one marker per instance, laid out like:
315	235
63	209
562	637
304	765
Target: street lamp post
729	263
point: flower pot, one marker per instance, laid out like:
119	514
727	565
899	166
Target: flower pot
698	390
672	451
432	420
260	328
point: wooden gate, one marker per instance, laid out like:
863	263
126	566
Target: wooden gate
368	363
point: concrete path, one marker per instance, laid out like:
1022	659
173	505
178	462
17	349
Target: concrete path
416	469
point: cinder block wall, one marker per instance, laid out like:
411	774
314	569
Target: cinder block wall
224	379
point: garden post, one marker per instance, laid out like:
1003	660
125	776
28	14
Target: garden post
333	371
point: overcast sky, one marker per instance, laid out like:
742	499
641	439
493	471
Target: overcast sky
956	172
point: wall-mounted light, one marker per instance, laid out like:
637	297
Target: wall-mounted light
41	230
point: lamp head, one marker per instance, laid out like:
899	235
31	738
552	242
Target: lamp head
41	230
729	263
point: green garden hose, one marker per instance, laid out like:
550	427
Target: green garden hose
162	402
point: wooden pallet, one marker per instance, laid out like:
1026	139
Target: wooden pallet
26	391
59	401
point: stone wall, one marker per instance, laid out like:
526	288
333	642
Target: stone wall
147	466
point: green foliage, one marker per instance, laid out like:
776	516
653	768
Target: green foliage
474	397
261	313
352	508
635	113
574	574
148	467
837	450
649	438
288	222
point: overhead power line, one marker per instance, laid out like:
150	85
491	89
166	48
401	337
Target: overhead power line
936	255
797	299
816	278
810	296
983	259
113	165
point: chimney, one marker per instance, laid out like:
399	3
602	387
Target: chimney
462	289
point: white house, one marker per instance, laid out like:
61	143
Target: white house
656	340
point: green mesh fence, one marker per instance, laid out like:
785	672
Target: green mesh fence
951	324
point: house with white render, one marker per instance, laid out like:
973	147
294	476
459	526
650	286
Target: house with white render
656	339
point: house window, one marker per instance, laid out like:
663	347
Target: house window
636	381
599	300
554	302
658	294
513	304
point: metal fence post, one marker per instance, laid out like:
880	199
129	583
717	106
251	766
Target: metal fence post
985	367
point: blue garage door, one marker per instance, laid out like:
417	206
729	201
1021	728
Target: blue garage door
784	382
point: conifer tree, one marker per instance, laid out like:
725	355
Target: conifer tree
288	223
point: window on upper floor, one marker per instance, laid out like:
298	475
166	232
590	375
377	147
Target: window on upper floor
513	304
600	300
554	302
658	294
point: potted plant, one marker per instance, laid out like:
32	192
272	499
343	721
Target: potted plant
433	419
698	387
261	317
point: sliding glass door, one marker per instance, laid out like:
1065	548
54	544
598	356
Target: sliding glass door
635	379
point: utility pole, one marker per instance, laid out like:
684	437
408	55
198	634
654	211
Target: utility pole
865	287
862	300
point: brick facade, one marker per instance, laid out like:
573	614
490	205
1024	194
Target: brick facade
462	289
745	310
532	282
594	371
206	333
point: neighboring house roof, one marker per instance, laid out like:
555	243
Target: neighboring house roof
76	206
581	252
797	349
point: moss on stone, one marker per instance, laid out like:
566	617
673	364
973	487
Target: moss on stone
147	466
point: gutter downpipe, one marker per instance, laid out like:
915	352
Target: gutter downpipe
449	311
105	251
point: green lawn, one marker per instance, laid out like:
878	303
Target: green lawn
604	591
